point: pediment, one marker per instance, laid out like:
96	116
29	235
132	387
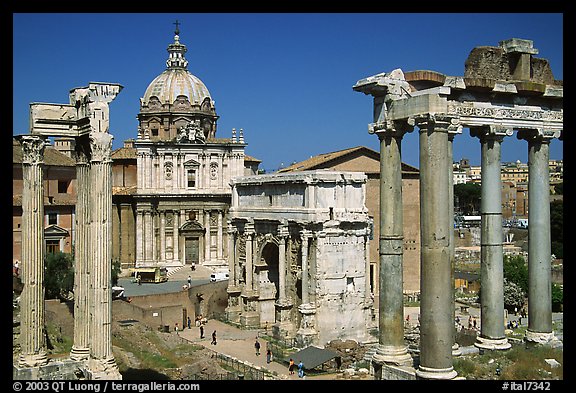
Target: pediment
55	230
192	163
190	226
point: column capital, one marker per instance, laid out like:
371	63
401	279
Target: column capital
283	231
541	135
32	149
101	147
440	122
491	132
305	234
391	128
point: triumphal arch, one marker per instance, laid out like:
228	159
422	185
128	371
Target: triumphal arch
86	119
505	89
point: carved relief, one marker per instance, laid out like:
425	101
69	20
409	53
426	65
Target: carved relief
168	166
213	170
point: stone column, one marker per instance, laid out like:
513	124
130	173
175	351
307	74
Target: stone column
162	234
283	234
207	237
82	246
233	280
453	130
539	246
249	232
436	301
102	364
305	279
219	238
139	236
492	334
32	339
176	237
391	347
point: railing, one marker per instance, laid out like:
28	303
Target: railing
239	370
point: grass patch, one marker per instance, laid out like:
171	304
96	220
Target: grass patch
521	362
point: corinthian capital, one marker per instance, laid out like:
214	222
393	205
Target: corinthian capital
32	149
101	147
492	131
395	128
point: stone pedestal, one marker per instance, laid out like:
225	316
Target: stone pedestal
283	327
250	316
55	370
234	308
307	333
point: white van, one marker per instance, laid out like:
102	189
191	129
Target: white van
219	276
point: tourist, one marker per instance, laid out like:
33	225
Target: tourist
300	369
189	281
291	366
257	347
189	323
201	331
213	337
268	355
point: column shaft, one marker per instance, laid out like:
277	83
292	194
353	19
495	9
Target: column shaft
492	334
32	340
305	279
391	308
436	326
81	348
539	246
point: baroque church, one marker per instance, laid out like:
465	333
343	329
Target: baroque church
171	185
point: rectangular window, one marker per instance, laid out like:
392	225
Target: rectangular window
52	246
52	218
191	178
154	131
62	186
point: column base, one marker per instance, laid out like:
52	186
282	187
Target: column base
33	360
492	344
398	356
456	351
102	369
79	354
539	337
435	373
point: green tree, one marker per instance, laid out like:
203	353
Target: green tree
467	197
58	275
557	297
516	271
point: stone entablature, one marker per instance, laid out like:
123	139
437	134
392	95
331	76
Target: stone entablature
299	255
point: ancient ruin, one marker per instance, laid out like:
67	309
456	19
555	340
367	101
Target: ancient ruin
504	89
86	119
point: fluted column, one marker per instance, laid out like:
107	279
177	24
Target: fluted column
176	237
391	347
32	339
492	334
82	246
282	234
207	236
220	238
249	233
539	243
305	279
436	323
102	364
233	280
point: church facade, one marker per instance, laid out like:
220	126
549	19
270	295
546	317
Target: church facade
178	206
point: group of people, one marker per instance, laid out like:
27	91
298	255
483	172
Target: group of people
291	366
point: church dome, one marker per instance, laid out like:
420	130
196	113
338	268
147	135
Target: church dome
176	99
175	82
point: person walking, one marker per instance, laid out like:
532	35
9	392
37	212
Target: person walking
201	331
189	323
291	366
268	355
189	281
213	337
300	369
257	347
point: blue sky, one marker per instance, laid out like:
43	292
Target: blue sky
285	78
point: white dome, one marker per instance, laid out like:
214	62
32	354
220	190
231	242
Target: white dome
175	82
